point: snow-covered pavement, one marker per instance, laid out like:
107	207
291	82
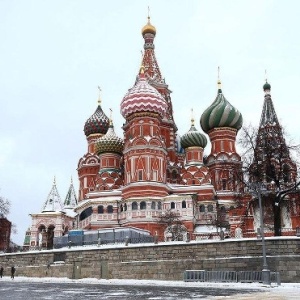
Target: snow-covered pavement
286	291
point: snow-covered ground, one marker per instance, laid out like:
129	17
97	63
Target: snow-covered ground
285	291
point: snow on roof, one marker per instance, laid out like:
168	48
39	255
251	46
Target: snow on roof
205	229
53	202
71	199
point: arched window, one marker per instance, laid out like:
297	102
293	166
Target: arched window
86	213
183	204
125	206
100	209
223	209
172	205
110	209
202	208
140	175
158	205
142	205
286	173
222	213
224	183
121	208
134	205
174	175
210	208
153	205
168	174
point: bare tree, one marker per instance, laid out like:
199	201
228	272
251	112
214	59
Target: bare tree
267	161
4	206
171	222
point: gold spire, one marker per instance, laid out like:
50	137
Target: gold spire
266	86
148	28
110	117
142	55
99	96
219	81
192	117
142	69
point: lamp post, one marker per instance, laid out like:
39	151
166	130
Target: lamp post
265	271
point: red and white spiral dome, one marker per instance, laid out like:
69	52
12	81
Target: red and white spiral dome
142	97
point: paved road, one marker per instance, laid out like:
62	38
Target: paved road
52	288
65	291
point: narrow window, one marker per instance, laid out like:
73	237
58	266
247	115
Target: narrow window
140	175
174	175
142	205
153	205
100	209
159	205
224	184
210	208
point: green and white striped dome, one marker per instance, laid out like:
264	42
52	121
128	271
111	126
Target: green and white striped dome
221	114
193	138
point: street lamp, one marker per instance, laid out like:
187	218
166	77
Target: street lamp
266	278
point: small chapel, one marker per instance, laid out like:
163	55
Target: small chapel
151	173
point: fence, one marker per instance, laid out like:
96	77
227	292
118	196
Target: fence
108	236
228	276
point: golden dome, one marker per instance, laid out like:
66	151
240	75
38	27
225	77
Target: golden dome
148	28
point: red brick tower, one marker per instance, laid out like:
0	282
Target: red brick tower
88	166
194	172
110	151
273	168
145	154
168	127
221	121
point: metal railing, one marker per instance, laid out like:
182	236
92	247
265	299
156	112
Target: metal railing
228	276
104	237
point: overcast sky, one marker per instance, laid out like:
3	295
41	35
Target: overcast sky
54	54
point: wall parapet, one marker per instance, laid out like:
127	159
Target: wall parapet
163	261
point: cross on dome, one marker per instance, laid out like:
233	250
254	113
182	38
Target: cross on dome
99	96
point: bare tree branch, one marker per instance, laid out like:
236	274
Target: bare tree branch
4	206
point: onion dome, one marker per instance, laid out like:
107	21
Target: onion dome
148	28
193	138
110	142
267	86
142	97
98	122
221	114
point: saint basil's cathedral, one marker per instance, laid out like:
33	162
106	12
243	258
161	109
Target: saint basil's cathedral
153	173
